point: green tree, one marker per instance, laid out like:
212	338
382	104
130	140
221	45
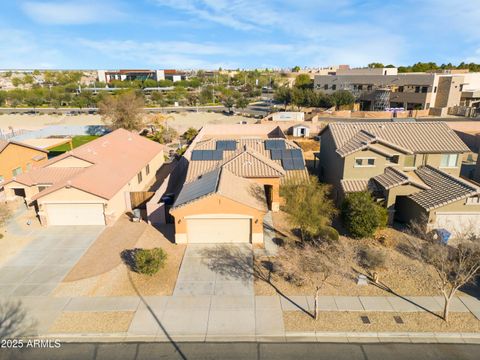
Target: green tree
206	95
296	69
149	83
375	65
308	207
362	215
284	95
241	102
228	102
123	111
190	134
303	81
342	98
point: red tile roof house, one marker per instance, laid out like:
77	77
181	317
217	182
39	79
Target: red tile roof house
91	184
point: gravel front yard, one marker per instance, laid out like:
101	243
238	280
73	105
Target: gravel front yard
380	322
402	274
113	278
92	322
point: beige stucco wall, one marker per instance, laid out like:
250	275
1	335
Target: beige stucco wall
216	204
275	183
14	156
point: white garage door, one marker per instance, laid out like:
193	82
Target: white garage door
218	230
459	223
75	214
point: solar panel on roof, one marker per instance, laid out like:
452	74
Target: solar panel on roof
298	164
296	153
207	155
217	155
226	145
287	164
197	155
276	154
274	144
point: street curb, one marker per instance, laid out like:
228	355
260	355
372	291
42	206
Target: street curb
325	337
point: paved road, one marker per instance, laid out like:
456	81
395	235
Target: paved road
251	351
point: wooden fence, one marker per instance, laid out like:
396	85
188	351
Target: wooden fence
138	199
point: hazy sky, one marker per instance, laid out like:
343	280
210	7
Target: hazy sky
237	33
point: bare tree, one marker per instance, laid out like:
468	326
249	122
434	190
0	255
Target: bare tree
14	321
306	264
123	111
455	266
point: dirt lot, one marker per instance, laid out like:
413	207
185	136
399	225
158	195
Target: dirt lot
309	147
92	322
181	122
402	274
351	322
110	276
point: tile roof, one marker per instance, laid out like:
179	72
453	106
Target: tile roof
354	185
223	182
444	188
393	177
409	137
249	159
4	144
116	158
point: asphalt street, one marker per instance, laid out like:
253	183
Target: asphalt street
251	351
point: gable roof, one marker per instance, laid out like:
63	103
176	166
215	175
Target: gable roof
444	188
249	163
393	177
223	182
407	137
4	144
116	158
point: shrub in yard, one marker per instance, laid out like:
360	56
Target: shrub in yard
328	233
362	215
371	259
149	261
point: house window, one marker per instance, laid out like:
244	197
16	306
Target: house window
325	87
435	89
334	87
449	160
360	87
417	89
400	89
17	171
393	159
139	177
369	87
147	169
409	161
424	89
364	162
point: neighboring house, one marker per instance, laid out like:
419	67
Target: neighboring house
91	184
412	167
17	158
233	178
285	116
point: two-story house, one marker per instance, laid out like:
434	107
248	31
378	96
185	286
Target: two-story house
412	167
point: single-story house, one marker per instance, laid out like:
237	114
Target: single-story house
17	158
91	184
233	178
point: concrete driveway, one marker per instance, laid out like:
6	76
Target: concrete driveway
43	263
214	269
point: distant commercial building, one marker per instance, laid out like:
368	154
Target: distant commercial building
384	88
107	76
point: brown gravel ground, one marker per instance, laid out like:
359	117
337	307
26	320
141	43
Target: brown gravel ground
92	322
402	274
380	322
120	280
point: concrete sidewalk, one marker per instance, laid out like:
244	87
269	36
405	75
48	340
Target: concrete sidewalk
211	318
